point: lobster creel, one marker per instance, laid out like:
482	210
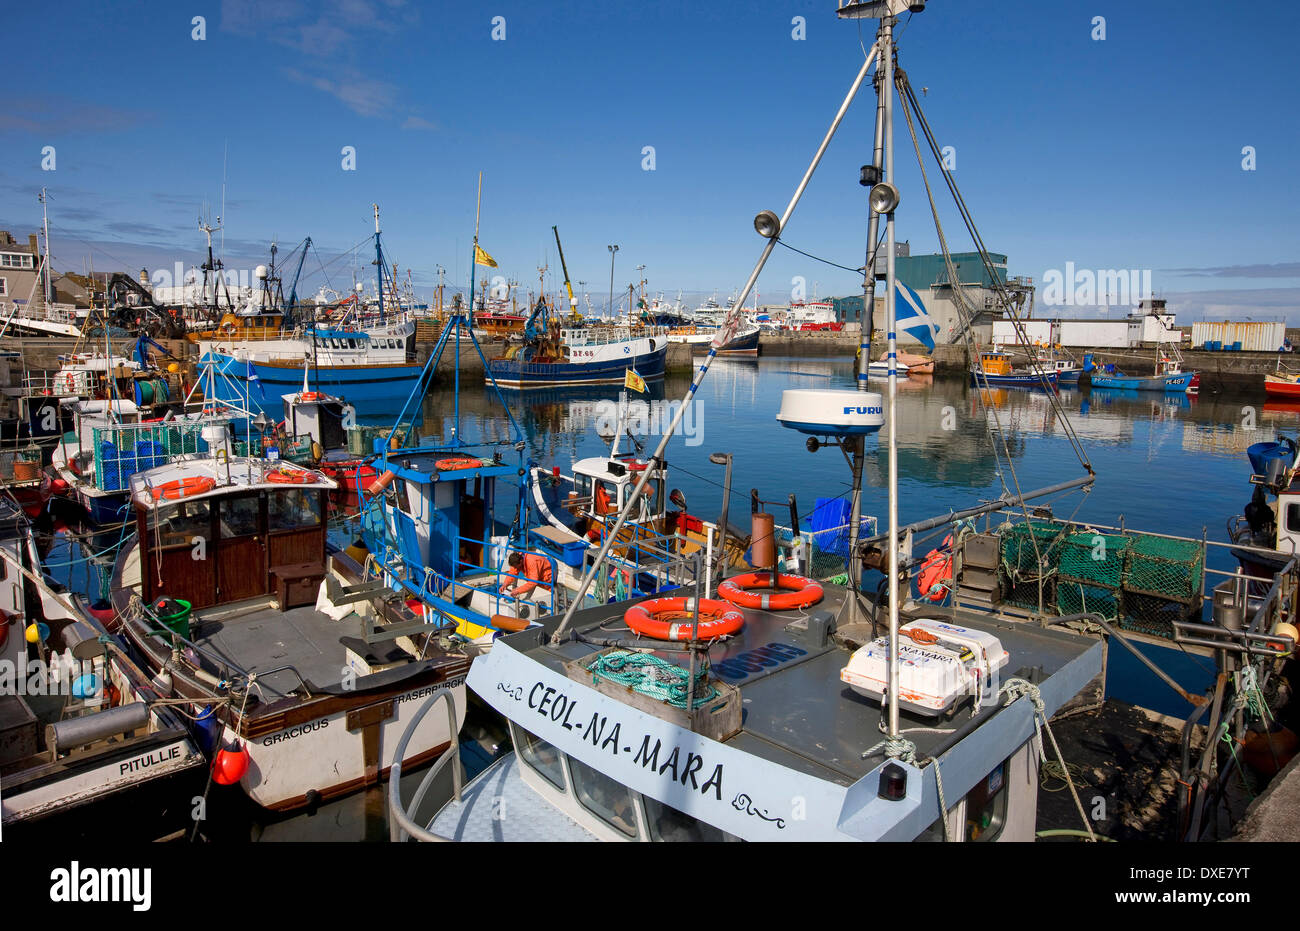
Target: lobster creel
674	618
792	591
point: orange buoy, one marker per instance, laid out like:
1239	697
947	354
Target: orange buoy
795	591
183	487
229	766
674	618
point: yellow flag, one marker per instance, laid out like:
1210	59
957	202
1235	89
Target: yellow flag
482	258
634	381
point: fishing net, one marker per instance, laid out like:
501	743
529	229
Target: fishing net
1094	559
1143	582
653	677
1164	568
1073	597
1023	545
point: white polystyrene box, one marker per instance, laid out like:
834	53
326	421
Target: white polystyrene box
931	677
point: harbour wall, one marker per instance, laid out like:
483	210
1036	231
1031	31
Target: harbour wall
1235	373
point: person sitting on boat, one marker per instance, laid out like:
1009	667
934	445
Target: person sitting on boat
533	577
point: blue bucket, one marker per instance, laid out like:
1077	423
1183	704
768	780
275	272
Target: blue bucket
1260	454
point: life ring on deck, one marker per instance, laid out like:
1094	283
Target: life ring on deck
70	382
674	618
634	465
229	329
283	476
311	396
795	591
183	488
455	465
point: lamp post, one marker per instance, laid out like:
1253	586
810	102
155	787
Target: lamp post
613	250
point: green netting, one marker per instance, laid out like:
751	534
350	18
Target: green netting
1076	598
1144	582
1025	543
653	677
1165	568
1094	558
1155	616
1025	594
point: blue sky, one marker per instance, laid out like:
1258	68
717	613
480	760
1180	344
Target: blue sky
1117	154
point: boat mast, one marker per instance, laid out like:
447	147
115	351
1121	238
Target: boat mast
379	265
882	199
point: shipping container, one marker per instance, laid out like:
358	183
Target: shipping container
1101	334
1262	336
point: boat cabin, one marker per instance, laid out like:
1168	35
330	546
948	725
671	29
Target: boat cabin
995	363
215	530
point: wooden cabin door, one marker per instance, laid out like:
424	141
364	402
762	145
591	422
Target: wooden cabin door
241	548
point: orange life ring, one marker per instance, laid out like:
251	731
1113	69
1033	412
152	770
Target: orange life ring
674	618
283	476
796	591
183	488
455	465
635	465
311	396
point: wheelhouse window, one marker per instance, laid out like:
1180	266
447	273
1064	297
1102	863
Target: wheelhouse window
239	516
608	800
540	756
179	524
1293	517
665	823
986	806
297	509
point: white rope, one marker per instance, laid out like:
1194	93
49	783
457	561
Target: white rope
1016	688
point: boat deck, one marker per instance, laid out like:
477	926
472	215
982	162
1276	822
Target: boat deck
797	711
260	637
502	788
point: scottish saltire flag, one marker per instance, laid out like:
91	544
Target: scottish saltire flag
253	379
910	316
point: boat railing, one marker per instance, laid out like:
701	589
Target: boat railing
121	450
1172	591
402	825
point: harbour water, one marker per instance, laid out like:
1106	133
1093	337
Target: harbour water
1171	464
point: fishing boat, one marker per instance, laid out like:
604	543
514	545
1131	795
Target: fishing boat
364	364
1282	383
582	356
670	717
994	369
699	336
93	728
1168	376
225	595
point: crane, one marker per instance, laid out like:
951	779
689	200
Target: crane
573	301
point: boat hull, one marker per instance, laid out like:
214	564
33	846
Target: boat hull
513	374
1175	382
1276	387
979	380
370	389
